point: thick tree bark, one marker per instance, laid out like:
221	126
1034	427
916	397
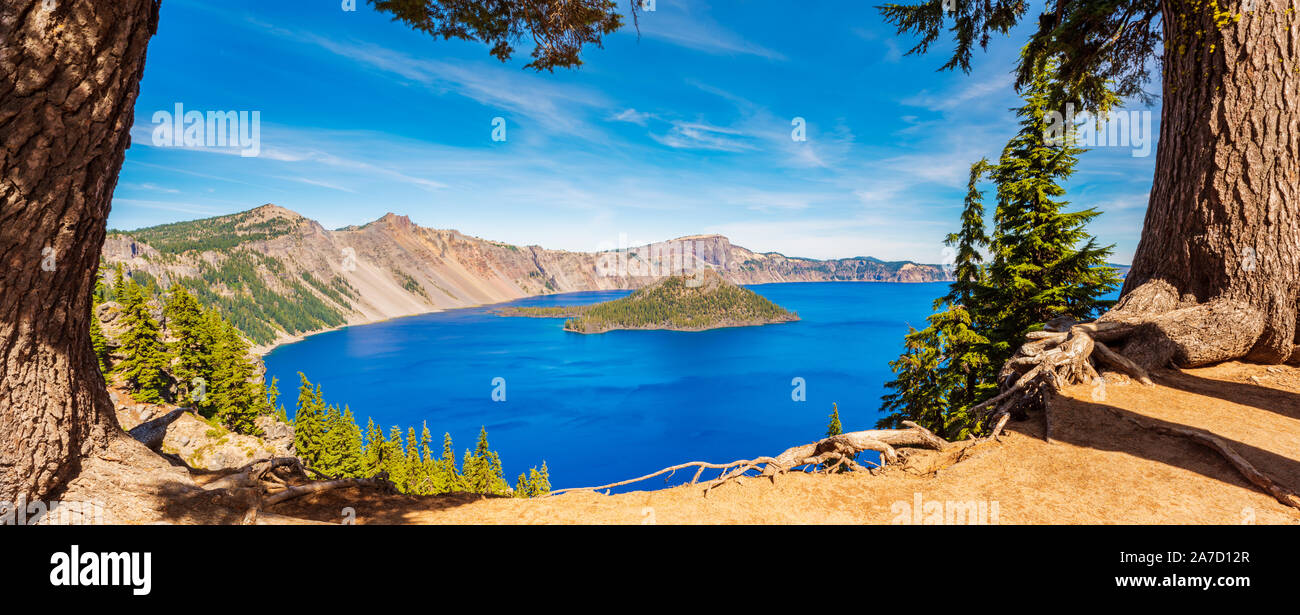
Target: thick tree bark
69	75
1216	275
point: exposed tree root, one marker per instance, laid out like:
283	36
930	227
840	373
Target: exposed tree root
825	456
1218	445
266	482
1058	356
1062	354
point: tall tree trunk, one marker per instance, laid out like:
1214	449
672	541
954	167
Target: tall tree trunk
69	75
1216	275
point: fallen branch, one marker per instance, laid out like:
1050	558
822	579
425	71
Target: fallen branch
827	454
268	489
326	485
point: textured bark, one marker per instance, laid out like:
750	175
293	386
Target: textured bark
69	75
1217	272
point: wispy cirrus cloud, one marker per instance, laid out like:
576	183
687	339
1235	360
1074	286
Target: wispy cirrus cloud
690	26
703	136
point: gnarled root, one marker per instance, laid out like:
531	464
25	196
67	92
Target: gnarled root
826	456
1058	356
267	482
1062	354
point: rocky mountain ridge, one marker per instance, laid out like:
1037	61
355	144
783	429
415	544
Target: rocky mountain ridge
278	275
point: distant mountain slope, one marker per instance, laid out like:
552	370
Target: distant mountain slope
278	275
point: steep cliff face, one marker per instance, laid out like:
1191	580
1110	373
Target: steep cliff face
279	275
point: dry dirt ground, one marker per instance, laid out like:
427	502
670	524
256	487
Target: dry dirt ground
1098	469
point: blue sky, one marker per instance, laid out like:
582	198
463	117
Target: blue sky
685	130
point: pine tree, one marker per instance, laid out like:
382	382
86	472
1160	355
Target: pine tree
193	346
145	359
100	344
834	428
331	443
236	398
447	478
308	429
416	479
119	284
351	456
374	451
273	399
395	459
1044	262
483	472
534	483
1038	271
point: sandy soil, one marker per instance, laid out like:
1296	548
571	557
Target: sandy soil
1099	469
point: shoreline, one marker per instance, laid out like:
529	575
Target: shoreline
262	351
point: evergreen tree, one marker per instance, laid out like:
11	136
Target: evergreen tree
1039	270
483	472
447	478
273	399
308	428
417	480
192	347
834	428
534	483
332	443
373	462
395	459
1044	262
145	359
100	344
119	284
236	397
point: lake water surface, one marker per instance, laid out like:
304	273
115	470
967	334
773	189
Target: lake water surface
603	408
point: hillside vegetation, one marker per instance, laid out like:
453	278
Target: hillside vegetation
688	302
277	276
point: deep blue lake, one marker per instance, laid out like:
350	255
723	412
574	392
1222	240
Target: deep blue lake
604	408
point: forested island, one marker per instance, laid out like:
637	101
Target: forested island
692	302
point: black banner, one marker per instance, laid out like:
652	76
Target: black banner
1106	563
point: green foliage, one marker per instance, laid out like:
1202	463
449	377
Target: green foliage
1044	264
482	472
99	344
834	428
309	423
237	287
410	285
143	368
341	454
536	482
672	303
330	442
235	397
446	477
557	32
395	462
220	233
194	344
1106	47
